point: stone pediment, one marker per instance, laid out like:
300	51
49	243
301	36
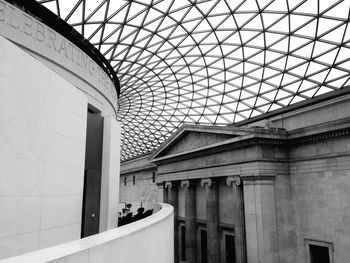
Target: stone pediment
191	137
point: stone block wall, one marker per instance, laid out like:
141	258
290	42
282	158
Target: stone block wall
144	189
320	181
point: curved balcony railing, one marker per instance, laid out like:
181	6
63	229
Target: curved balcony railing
146	241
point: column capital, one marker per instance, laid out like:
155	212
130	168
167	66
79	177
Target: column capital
168	185
206	182
230	180
185	184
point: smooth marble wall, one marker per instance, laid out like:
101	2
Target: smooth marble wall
110	174
42	150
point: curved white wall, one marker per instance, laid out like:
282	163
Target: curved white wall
42	152
43	115
149	240
57	52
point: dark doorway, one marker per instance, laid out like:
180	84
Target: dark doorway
230	249
204	258
92	175
319	254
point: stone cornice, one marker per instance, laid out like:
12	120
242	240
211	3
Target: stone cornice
283	140
139	169
328	135
228	144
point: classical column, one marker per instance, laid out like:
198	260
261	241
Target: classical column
162	195
212	208
239	222
260	219
190	215
172	200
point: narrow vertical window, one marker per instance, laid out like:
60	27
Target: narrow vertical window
230	249
125	180
183	243
204	252
133	180
154	177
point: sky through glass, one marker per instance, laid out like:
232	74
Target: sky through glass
212	62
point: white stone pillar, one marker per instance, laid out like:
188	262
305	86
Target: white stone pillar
260	219
110	174
173	200
212	211
162	195
190	216
239	222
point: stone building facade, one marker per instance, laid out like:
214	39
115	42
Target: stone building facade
137	181
271	191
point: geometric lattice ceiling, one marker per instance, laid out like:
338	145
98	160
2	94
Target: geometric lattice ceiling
213	62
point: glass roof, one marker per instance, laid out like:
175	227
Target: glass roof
212	62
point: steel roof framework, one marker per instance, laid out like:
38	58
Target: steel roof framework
212	62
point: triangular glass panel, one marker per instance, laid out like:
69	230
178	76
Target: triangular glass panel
178	14
214	21
321	47
204	6
338	83
335	35
298	21
272	56
242	19
341	10
319	77
193	14
234	40
329	57
99	15
220	8
325	25
323	90
90	7
344	54
77	16
248	6
308	30
309	6
296	43
304	51
66	7
336	74
248	35
281	26
272	38
277	5
52	6
255	24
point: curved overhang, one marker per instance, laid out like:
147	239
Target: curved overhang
38	30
